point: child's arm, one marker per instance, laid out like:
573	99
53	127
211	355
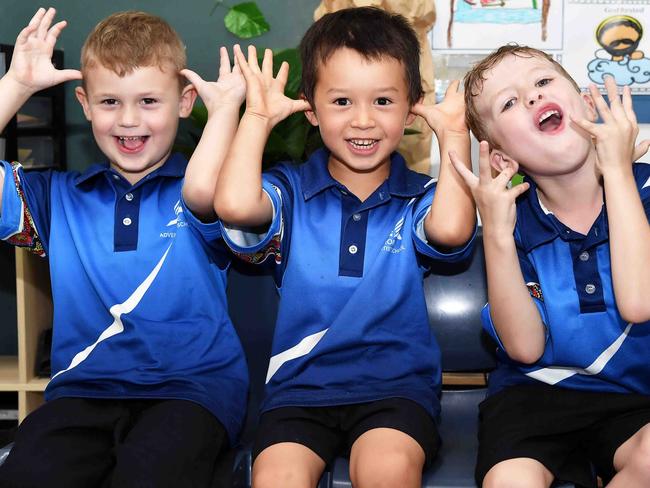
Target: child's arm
31	68
452	218
629	231
239	199
222	99
514	314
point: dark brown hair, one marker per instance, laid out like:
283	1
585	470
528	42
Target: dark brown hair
370	31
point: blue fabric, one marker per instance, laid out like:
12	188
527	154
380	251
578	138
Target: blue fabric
589	346
143	320
352	324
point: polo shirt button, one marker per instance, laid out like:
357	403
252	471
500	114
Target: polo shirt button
126	221
584	256
356	217
590	289
116	177
129	197
353	249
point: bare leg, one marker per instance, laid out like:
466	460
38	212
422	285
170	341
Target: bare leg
518	473
632	461
287	465
386	458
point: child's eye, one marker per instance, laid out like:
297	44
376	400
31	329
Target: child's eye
509	104
383	101
109	101
148	101
342	102
543	82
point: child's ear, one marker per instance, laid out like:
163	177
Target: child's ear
310	114
500	161
81	95
592	113
188	97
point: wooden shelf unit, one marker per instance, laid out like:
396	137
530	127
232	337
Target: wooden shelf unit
34	313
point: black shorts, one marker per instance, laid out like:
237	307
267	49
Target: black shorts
568	431
82	442
331	431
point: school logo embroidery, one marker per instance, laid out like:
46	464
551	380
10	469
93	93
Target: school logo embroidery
394	243
177	222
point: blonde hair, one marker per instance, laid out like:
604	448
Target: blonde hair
475	78
127	40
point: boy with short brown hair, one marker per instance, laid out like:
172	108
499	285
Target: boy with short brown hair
149	379
568	267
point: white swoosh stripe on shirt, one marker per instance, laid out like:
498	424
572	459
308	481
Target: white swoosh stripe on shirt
303	348
117	311
554	375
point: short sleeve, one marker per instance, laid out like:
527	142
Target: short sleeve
422	207
255	247
209	231
24	220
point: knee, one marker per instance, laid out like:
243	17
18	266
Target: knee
280	476
507	475
395	470
639	460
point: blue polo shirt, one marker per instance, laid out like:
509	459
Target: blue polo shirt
589	346
352	323
138	285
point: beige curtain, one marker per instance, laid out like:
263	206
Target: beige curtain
416	148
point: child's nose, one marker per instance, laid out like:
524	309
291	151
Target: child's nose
534	98
129	117
362	119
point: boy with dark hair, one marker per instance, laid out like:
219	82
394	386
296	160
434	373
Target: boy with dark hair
568	268
149	379
354	367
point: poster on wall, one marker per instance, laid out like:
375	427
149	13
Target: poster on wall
591	38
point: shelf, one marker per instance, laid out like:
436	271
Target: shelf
8	373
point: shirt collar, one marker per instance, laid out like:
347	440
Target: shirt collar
402	182
174	167
537	225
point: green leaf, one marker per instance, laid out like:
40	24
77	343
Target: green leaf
291	56
245	20
199	115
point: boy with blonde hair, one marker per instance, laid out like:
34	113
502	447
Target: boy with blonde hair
149	379
568	267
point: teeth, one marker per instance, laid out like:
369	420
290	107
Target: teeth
131	138
547	114
362	143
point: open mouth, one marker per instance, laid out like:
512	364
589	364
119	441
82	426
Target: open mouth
363	144
131	143
549	119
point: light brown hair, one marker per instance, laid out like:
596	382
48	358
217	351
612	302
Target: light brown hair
475	78
127	40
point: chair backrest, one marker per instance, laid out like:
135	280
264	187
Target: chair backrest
455	296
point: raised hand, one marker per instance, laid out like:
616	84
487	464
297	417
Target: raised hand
448	115
265	96
616	136
228	90
31	63
495	201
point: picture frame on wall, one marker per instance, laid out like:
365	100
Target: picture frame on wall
590	38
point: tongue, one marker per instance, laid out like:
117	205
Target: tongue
133	143
551	123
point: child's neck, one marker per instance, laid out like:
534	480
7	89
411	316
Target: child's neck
360	183
576	199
